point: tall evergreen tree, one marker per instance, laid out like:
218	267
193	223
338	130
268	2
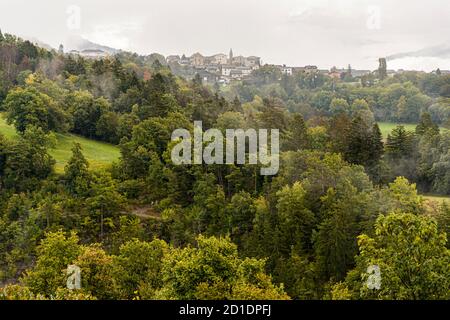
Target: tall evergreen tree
236	105
377	145
77	176
335	241
338	128
374	167
426	125
3	153
399	143
359	138
297	137
272	116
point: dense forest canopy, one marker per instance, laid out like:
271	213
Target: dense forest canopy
344	199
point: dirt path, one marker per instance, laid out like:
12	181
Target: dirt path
143	212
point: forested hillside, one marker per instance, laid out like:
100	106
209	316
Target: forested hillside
343	200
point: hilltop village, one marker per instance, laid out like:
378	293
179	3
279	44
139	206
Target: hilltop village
223	69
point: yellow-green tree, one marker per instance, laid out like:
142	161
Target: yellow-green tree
213	270
411	255
54	254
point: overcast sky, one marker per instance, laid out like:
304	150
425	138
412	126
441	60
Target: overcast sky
326	33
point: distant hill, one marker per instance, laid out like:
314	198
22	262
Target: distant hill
79	43
38	42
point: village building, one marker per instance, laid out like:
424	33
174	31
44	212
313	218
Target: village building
286	70
197	59
246	71
253	62
360	73
219	59
236	74
335	73
173	59
310	69
226	70
239	61
208	77
184	61
213	68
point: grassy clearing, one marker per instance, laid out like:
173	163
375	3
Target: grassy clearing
99	154
5	129
387	127
438	199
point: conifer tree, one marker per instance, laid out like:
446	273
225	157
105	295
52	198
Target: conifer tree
377	146
359	142
426	125
76	172
298	134
399	143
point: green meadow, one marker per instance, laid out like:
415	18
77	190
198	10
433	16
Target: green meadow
387	127
438	199
99	154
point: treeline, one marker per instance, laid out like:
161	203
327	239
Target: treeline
336	207
402	98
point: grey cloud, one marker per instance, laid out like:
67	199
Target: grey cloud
439	51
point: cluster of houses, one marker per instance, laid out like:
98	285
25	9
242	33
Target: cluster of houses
335	73
220	68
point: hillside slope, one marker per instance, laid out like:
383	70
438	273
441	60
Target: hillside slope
99	154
